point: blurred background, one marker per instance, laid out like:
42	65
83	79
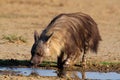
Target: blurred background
19	19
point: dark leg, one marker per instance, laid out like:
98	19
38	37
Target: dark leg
62	66
60	60
65	62
72	57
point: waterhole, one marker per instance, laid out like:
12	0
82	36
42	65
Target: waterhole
42	72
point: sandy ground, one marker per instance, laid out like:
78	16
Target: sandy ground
28	78
22	17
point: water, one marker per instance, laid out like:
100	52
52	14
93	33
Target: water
29	71
41	72
102	76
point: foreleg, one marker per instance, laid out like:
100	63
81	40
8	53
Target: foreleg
72	57
60	60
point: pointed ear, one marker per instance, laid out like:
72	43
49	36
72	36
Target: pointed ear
48	37
36	36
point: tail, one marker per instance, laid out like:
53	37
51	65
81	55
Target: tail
94	41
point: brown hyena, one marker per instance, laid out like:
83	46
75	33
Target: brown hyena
67	34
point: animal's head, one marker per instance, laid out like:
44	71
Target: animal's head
40	48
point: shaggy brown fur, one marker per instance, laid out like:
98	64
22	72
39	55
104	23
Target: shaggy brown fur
69	34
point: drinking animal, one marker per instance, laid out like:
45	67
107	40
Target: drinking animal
70	34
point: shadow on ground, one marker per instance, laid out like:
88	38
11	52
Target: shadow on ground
97	67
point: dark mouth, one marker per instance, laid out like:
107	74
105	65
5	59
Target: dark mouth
34	65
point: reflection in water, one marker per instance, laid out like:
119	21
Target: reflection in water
77	75
71	74
83	75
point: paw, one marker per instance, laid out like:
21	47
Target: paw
67	63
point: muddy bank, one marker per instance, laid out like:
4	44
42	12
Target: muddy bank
8	77
99	67
69	74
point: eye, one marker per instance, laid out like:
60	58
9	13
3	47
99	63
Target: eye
38	54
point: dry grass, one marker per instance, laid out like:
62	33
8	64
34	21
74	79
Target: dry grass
14	38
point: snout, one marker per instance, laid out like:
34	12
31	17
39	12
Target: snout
35	61
33	64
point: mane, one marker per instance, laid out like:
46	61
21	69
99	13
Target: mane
76	29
